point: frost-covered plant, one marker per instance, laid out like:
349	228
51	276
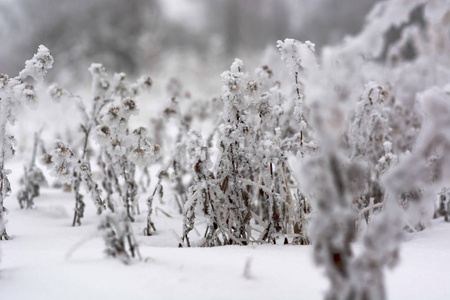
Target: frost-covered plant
413	172
292	132
387	160
430	45
272	198
420	175
301	62
369	128
14	93
332	181
106	90
123	150
298	58
332	229
228	208
171	129
367	135
69	169
204	193
443	204
250	186
171	113
178	167
89	120
234	161
409	183
33	179
174	170
380	250
277	203
157	192
118	236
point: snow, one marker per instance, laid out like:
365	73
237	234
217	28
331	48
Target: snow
37	257
36	263
422	273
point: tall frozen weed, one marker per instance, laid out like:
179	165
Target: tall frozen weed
15	92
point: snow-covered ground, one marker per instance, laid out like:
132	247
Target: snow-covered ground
45	260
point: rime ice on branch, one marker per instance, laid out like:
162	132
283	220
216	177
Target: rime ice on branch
14	93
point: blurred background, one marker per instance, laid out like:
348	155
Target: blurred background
189	39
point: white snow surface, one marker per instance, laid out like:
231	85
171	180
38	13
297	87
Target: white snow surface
45	260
